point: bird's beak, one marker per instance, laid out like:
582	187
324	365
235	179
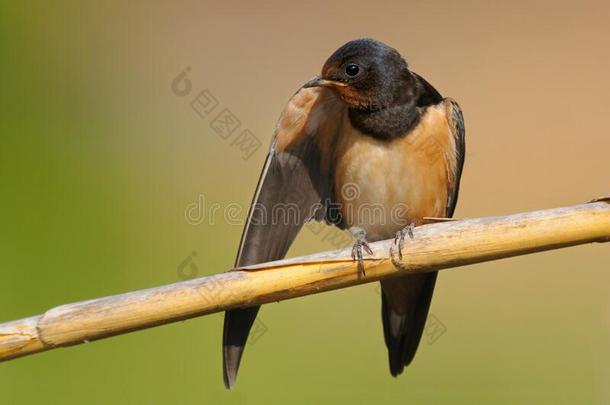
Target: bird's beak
320	82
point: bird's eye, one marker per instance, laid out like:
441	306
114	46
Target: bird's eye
352	70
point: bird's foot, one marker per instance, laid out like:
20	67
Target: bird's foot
360	245
400	237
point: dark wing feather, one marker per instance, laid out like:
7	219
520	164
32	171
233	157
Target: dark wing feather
403	331
428	95
456	122
293	188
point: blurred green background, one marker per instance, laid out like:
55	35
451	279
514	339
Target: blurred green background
99	159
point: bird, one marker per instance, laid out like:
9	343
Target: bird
366	132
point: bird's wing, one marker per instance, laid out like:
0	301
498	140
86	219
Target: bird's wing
428	95
456	125
293	188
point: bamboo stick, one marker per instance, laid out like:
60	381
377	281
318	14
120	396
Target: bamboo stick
435	246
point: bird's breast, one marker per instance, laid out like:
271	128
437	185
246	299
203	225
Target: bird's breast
384	185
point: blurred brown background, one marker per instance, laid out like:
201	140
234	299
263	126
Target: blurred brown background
99	160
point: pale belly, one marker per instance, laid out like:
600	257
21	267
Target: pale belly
382	186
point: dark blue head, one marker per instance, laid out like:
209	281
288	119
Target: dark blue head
367	74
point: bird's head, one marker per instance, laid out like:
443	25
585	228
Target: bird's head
367	75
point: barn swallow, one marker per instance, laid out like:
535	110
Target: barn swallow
370	123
